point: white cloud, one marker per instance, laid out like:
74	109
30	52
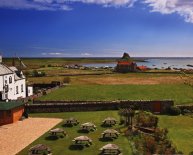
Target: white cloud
182	7
34	4
53	54
59	4
115	3
85	54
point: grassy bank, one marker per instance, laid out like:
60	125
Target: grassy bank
62	146
180	131
180	93
37	62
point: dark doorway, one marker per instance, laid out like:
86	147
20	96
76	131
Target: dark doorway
0	96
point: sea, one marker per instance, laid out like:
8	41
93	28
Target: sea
160	63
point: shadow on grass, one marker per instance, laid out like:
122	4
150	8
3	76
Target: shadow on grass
67	125
52	138
106	139
106	126
83	131
76	147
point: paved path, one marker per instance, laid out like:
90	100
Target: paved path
15	137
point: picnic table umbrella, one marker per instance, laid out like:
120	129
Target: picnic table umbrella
40	149
82	140
110	133
71	121
56	131
88	126
109	121
110	149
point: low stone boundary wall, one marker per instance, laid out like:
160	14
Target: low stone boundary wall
187	107
72	106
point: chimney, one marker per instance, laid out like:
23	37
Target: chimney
0	58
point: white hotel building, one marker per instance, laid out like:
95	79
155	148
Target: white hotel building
12	83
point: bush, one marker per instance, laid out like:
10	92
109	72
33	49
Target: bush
49	65
191	153
26	73
66	80
42	66
35	73
174	111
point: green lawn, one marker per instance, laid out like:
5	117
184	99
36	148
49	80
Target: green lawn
180	93
180	131
61	146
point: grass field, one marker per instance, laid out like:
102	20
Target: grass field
180	93
61	146
37	62
180	131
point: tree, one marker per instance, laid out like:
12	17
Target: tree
128	115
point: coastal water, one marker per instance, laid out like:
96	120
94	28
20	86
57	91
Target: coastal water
160	63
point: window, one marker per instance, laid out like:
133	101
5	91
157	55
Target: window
10	79
6	96
22	88
17	90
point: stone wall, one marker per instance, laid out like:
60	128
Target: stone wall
71	106
187	107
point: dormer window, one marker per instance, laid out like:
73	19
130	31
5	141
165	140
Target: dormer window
10	79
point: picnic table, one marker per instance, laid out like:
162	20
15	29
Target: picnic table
110	149
71	121
82	140
40	149
110	121
110	133
88	126
56	131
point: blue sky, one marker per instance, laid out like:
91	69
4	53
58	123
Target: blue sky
96	28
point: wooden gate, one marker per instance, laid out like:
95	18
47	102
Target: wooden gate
157	107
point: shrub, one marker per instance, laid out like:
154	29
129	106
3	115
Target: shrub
191	153
66	80
146	119
26	73
174	111
35	73
186	111
42	66
49	65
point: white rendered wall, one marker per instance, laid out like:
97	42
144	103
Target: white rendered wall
14	95
30	90
1	83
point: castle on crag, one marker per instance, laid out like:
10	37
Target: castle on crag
126	64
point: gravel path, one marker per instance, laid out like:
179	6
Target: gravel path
15	137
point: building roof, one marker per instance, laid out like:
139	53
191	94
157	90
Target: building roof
10	105
5	69
142	67
13	68
125	63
